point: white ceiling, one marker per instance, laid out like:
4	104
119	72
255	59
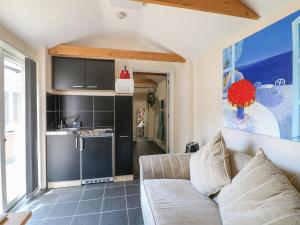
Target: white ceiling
186	32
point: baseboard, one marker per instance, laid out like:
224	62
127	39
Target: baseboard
61	184
123	178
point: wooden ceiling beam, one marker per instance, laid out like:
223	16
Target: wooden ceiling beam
105	53
144	81
226	7
137	74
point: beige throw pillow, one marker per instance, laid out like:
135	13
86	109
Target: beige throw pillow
260	194
209	167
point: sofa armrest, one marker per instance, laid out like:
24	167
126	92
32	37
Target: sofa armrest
167	166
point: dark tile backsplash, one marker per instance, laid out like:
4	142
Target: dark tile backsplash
103	119
76	103
104	103
91	111
86	118
52	103
52	120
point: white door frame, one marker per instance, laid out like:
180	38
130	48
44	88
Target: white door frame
3	198
4	205
171	106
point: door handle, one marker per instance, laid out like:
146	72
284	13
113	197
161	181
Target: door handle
77	86
124	136
76	143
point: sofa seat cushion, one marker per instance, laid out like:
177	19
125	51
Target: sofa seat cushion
177	202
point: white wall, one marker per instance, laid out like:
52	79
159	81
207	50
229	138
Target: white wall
208	104
184	106
17	43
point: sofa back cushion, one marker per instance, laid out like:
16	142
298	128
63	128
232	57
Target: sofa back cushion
210	167
166	166
259	194
238	161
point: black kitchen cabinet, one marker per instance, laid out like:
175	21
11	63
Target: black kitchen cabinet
63	158
100	74
68	73
75	73
96	158
123	135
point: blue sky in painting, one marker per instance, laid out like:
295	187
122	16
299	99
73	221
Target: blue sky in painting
271	41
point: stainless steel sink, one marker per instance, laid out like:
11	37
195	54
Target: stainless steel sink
63	131
68	129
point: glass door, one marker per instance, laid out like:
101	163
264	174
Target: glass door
13	158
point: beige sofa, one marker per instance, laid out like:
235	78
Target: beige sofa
168	197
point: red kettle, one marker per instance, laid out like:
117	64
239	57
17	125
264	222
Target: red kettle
124	74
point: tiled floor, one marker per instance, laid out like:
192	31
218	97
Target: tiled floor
96	204
141	147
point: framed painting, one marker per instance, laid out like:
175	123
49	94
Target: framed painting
261	81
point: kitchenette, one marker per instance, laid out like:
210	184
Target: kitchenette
89	137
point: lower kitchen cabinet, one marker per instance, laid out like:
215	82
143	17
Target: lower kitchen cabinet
96	158
63	158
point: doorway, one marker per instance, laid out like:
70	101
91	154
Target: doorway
150	115
12	129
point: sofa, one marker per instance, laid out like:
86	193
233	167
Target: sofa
169	198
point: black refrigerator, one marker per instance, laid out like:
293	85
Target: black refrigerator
123	135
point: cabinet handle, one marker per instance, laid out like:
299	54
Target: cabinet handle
81	144
76	143
124	136
77	86
92	86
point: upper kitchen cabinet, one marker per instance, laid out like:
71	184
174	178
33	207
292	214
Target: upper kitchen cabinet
68	73
100	74
89	74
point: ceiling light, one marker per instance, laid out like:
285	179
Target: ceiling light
121	15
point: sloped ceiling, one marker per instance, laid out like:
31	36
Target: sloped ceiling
186	32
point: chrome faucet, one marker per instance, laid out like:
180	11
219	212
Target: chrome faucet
61	125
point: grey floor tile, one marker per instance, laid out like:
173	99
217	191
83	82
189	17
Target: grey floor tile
94	186
115	184
47	198
132	189
90	206
35	222
40	211
114	191
63	209
58	221
92	194
114	218
135	216
71	196
136	181
66	189
116	203
86	220
133	201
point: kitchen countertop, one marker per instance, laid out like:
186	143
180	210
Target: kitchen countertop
83	133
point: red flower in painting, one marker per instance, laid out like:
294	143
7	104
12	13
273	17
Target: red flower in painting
241	93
